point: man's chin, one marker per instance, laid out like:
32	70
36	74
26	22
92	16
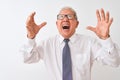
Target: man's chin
66	35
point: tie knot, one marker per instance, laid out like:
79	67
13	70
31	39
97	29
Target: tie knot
66	40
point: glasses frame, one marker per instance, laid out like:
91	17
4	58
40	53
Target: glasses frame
73	16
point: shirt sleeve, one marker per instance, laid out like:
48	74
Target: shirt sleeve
32	52
108	52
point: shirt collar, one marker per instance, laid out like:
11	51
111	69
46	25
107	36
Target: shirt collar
72	38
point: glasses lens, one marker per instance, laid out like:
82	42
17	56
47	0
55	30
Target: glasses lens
60	16
70	16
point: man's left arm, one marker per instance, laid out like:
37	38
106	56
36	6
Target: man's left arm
110	52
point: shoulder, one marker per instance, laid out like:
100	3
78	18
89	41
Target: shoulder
84	37
52	39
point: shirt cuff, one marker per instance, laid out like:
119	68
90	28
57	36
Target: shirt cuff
31	42
108	43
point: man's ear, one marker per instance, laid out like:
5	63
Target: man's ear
77	24
56	23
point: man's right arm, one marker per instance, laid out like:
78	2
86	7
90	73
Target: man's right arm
31	52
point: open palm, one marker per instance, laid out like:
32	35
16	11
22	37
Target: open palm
103	24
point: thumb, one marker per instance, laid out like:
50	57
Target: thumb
91	28
42	24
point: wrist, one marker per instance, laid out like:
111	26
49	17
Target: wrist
106	37
30	36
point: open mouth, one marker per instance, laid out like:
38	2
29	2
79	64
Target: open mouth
66	27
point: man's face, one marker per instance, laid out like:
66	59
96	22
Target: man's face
66	23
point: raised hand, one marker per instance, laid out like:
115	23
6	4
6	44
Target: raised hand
103	25
32	27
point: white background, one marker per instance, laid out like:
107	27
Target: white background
13	14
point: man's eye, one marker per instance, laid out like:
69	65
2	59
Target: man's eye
61	16
69	16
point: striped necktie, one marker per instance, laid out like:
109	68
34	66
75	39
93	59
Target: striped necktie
66	61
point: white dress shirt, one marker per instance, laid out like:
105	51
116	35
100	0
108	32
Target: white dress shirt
84	51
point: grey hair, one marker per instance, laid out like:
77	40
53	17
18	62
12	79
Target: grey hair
64	8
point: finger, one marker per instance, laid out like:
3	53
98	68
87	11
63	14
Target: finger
98	15
32	16
102	14
91	28
107	17
110	22
42	24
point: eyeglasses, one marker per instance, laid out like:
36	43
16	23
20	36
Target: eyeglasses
69	16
